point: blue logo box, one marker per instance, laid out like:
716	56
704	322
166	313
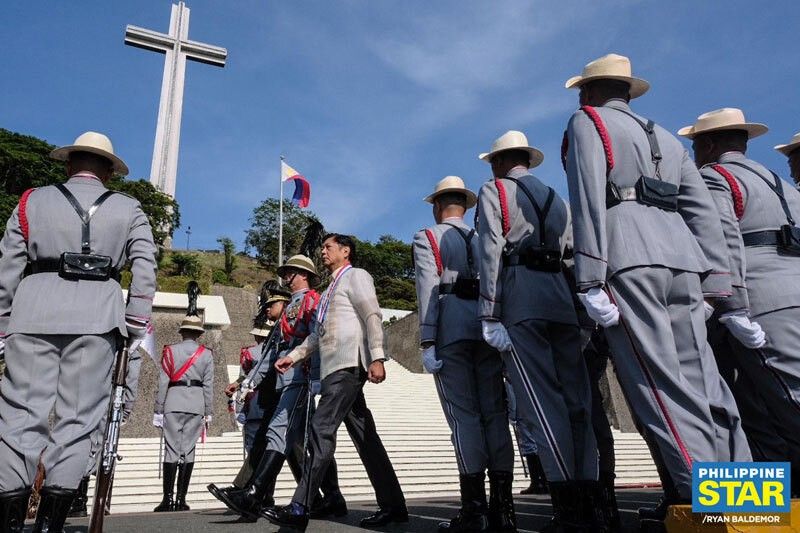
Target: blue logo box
741	487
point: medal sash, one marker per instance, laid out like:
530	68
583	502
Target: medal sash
325	300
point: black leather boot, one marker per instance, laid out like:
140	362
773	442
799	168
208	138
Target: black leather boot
473	515
13	509
248	502
78	508
216	491
501	502
538	478
53	508
167	504
593	512
184	476
608	499
567	512
294	516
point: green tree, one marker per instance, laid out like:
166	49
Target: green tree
161	210
25	163
262	237
229	249
185	265
390	262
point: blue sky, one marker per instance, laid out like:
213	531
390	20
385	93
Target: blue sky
376	100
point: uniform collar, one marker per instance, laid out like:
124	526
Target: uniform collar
86	178
518	171
733	155
299	292
618	103
453	219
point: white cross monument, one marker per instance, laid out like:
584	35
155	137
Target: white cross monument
178	48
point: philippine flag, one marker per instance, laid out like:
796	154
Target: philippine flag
302	190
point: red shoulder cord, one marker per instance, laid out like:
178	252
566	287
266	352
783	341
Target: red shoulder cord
604	137
167	361
437	256
23	214
246	359
736	192
504	217
304	315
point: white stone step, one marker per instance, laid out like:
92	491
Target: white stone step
411	425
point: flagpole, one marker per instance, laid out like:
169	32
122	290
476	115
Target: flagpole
280	219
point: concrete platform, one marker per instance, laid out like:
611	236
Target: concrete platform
533	513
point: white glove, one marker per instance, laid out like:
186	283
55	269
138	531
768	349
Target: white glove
599	307
429	361
207	419
709	309
316	387
496	335
748	333
158	420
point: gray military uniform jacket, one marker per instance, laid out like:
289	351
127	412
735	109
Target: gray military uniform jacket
45	303
196	399
445	318
516	293
297	374
764	279
252	410
632	234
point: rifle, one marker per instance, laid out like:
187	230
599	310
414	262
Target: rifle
105	473
274	338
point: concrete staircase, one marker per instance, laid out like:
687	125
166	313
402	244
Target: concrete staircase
413	429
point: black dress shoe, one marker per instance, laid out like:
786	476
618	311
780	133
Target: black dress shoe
283	516
218	491
386	516
329	506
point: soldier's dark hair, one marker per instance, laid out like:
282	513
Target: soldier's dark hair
451	198
608	89
343	240
729	139
89	161
520	157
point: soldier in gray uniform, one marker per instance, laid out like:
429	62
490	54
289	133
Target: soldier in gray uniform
285	431
62	322
648	248
758	211
527	313
792	151
467	372
183	405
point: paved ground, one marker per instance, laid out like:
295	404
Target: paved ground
533	512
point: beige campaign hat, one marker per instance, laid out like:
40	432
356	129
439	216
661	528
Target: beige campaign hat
514	140
610	67
193	323
452	184
727	118
95	143
300	262
791	146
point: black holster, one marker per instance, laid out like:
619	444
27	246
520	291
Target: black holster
789	239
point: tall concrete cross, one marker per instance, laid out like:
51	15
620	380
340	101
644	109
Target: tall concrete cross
178	48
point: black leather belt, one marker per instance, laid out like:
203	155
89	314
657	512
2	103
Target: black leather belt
190	383
761	238
41	266
512	260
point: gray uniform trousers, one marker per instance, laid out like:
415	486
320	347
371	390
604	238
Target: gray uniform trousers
669	374
545	363
758	424
470	387
181	431
69	372
774	371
